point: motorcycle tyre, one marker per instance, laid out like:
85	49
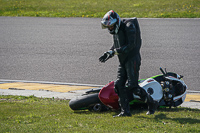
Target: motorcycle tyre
85	102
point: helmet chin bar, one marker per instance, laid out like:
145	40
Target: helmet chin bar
115	29
111	31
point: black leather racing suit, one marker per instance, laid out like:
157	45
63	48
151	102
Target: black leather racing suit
127	42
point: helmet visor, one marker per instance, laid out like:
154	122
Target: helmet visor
108	23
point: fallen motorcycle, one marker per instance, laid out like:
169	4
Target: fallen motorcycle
167	88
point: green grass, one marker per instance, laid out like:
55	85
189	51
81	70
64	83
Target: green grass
20	114
97	8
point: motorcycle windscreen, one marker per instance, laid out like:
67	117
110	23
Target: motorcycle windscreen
108	96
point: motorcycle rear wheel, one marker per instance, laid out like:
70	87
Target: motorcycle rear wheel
90	101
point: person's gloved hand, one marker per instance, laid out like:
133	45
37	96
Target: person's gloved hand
103	57
106	56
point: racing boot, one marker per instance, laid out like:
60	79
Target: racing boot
152	105
124	103
125	108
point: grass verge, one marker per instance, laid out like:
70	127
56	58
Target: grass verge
30	114
97	8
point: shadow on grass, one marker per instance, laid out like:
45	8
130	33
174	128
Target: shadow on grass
92	112
134	110
180	120
158	117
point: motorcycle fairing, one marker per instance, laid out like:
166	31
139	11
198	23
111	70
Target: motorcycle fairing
108	96
183	96
178	98
153	88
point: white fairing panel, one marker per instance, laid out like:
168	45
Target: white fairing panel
152	87
183	96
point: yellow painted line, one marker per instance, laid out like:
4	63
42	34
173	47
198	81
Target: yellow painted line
66	88
192	97
38	86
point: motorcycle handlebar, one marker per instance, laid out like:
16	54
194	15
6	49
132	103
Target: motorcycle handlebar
165	73
162	71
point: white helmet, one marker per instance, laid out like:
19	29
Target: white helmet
110	19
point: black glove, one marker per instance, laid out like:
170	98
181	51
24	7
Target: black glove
106	56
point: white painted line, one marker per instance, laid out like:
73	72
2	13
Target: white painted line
192	91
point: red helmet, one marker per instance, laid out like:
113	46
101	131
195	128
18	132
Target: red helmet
111	19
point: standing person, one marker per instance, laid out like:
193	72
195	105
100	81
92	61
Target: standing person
127	43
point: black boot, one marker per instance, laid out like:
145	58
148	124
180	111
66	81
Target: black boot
125	108
152	105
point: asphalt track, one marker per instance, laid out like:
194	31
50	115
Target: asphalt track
67	49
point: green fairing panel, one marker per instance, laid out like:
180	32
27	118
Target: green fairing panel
159	77
141	80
